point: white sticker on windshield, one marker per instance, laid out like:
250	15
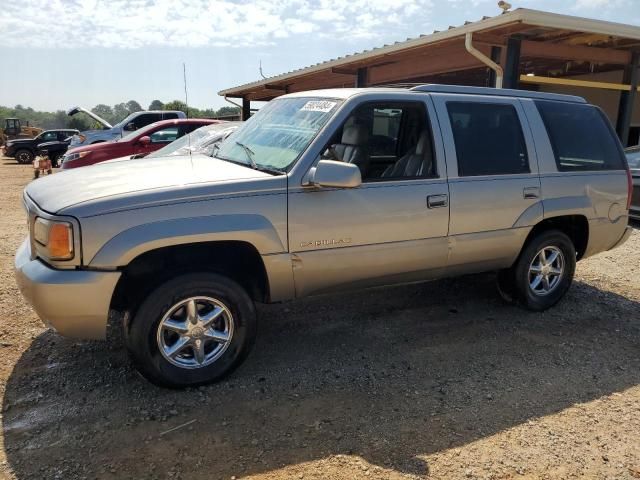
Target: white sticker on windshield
318	106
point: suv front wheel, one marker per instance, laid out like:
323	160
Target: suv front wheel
192	330
544	271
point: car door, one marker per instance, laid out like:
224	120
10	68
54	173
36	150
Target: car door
158	138
391	228
494	183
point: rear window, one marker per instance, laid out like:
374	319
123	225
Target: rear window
580	137
488	139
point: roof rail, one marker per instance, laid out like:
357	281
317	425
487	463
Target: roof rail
501	92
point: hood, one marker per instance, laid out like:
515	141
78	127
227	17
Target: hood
94	147
17	141
73	111
71	187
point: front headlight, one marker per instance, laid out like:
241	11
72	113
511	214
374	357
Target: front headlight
70	157
56	237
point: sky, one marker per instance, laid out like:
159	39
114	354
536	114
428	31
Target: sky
58	54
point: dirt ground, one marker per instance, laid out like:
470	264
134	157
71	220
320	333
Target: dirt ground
440	380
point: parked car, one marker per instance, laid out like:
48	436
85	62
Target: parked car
54	150
24	149
293	204
633	159
146	140
203	140
135	121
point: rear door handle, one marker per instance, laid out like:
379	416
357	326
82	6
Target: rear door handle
531	192
436	201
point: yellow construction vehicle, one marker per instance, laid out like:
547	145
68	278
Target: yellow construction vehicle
12	129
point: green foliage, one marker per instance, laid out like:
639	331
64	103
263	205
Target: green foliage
134	106
59	118
197	113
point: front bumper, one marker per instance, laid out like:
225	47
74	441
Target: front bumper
74	302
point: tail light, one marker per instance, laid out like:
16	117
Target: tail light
629	188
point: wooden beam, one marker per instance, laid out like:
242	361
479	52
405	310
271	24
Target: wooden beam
246	108
628	99
344	71
275	87
451	59
574	52
568	82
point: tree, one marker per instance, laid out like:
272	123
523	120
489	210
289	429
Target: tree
120	111
133	106
156	105
227	111
104	111
79	123
177	105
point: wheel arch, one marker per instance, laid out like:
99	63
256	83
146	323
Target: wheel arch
238	260
576	227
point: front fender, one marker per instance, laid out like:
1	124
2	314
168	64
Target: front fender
127	245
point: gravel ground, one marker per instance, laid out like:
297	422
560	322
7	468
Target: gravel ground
437	380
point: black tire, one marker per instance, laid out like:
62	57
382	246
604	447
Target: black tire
142	343
24	156
552	239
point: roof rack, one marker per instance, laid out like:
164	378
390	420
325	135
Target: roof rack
500	92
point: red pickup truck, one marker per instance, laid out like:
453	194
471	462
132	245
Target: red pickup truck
140	142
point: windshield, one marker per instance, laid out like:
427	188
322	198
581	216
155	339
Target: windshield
277	135
633	158
196	141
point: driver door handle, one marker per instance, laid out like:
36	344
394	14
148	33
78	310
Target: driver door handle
437	201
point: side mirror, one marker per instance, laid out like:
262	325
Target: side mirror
329	173
144	141
130	127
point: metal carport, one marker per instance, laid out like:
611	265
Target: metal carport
535	50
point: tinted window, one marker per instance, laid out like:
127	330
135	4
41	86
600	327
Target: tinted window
170	116
165	135
488	139
146	119
48	136
580	137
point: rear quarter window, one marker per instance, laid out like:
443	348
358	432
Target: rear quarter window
581	137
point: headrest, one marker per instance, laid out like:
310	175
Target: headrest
424	143
355	135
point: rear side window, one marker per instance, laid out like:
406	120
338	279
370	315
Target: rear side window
488	139
146	119
580	137
170	116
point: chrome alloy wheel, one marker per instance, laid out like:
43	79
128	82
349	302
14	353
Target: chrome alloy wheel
195	332
546	270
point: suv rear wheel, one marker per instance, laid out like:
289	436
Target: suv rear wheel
24	156
544	271
192	330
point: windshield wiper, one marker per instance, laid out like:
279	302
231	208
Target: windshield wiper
250	155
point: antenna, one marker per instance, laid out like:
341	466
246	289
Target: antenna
186	102
184	76
260	69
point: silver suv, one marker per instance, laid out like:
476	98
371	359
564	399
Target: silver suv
318	192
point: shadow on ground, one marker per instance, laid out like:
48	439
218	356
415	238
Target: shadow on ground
389	374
